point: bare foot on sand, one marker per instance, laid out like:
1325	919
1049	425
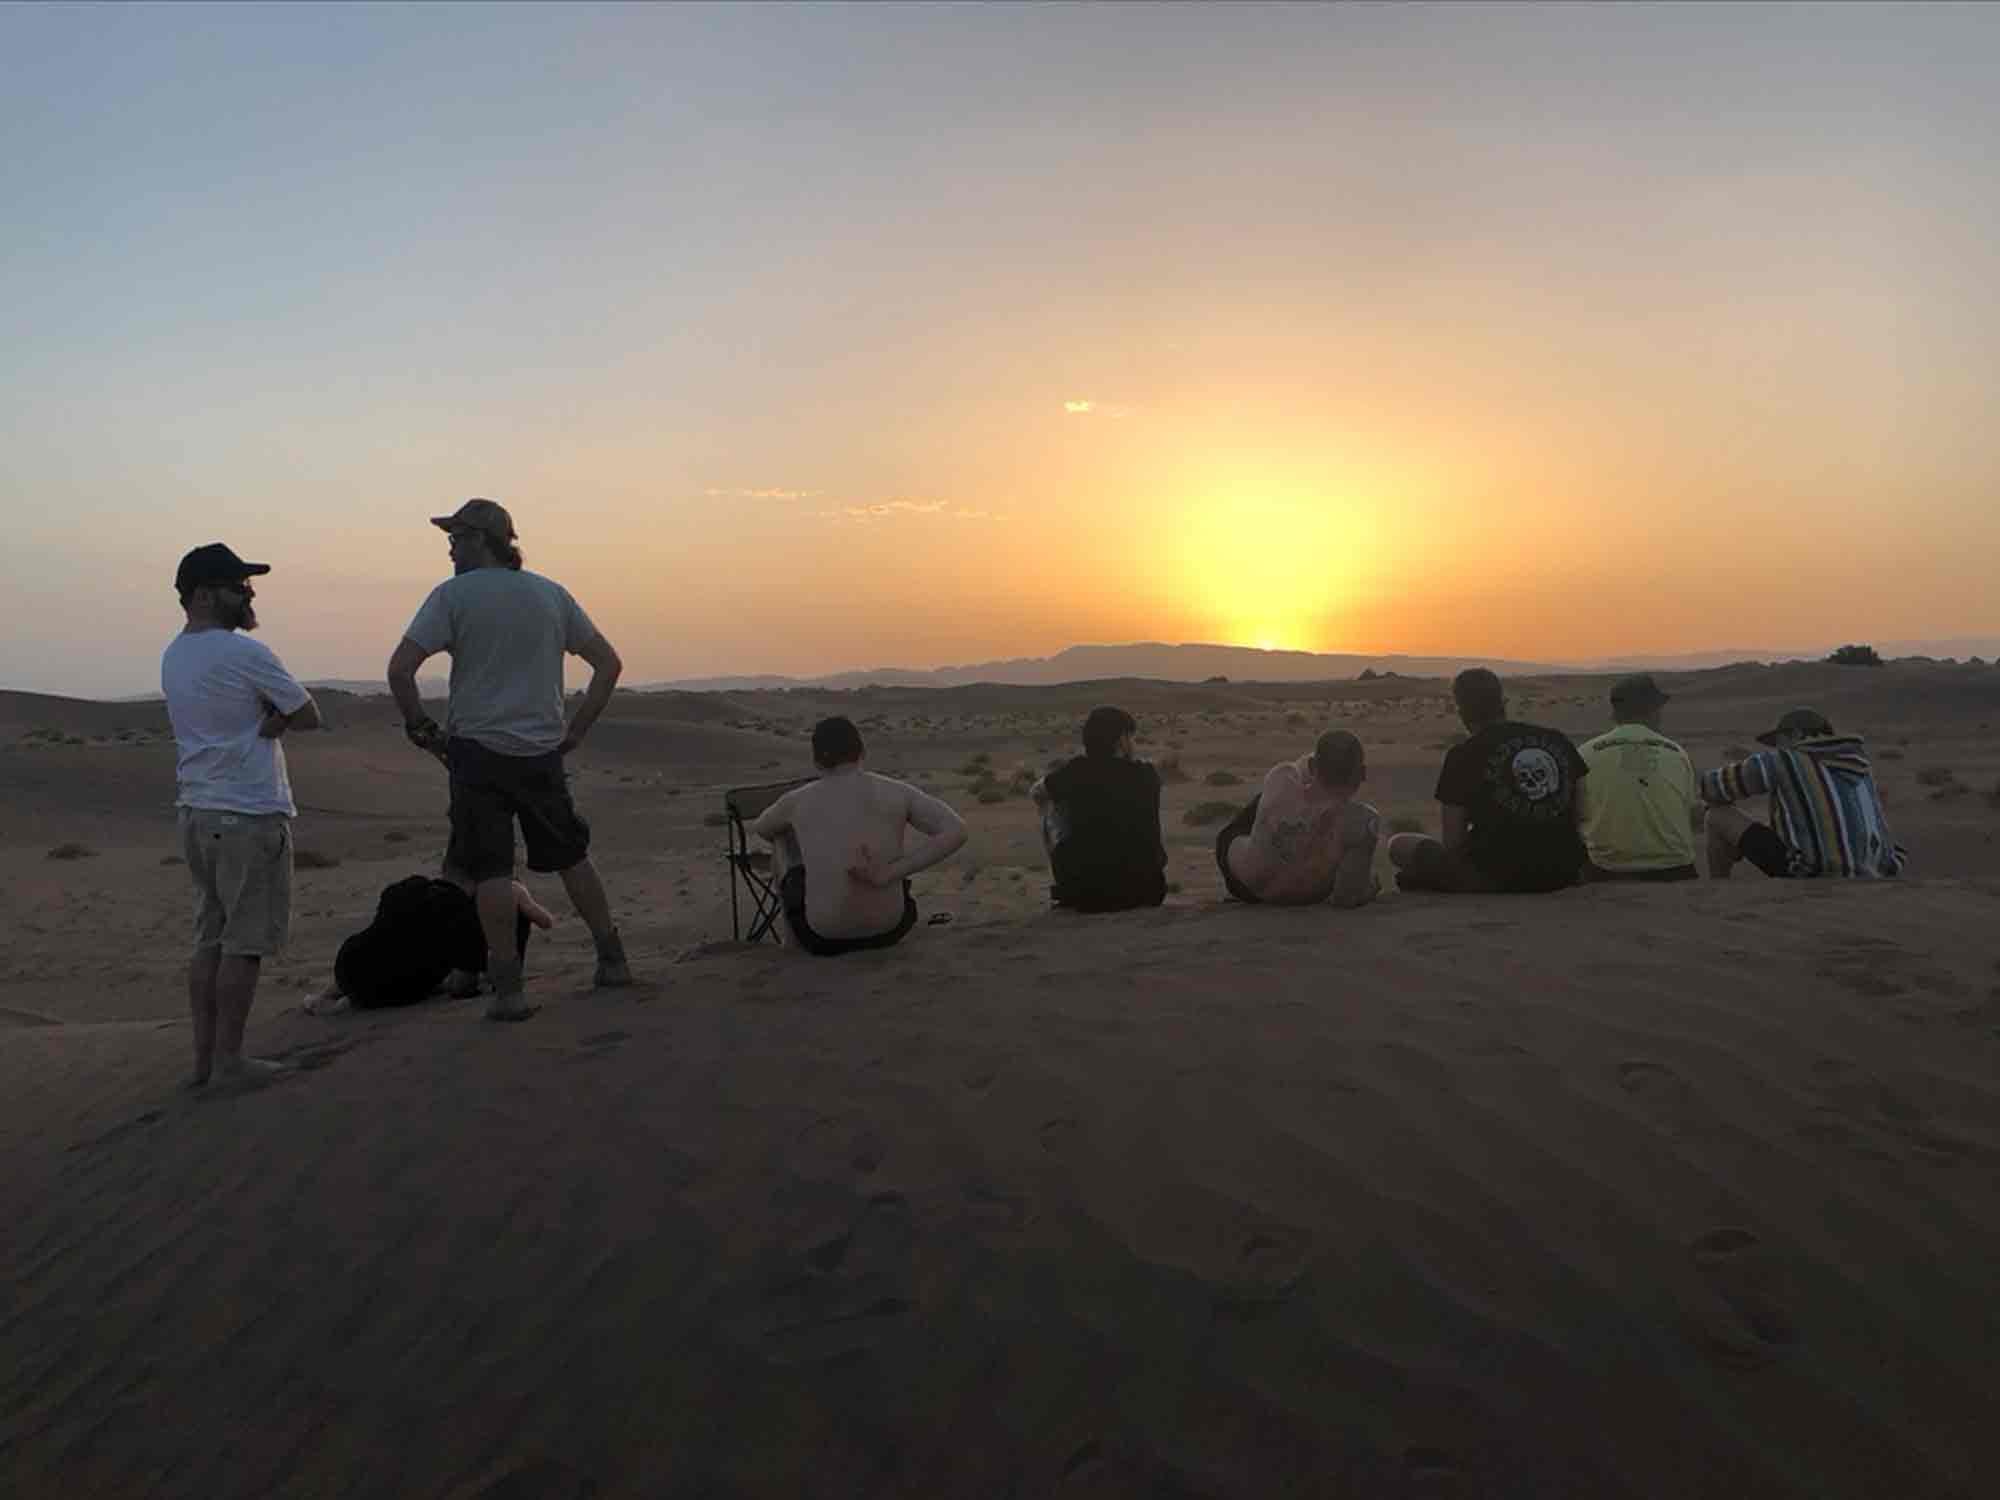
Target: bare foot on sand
511	1009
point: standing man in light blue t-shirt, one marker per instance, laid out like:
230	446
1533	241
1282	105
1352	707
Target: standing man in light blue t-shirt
507	631
230	701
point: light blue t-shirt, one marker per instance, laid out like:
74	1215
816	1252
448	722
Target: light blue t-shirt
506	632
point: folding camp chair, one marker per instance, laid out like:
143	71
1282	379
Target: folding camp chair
752	868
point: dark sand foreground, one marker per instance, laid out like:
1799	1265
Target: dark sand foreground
1682	1191
1495	1197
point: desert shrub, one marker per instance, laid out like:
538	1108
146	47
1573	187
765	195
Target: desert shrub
980	765
1295	721
395	836
1203	813
1223	778
72	851
1024	777
1405	823
1939	776
991	793
1855	656
313	859
1889	752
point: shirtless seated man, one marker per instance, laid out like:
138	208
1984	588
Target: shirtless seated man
1306	836
843	870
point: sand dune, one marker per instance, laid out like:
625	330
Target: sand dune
1668	1192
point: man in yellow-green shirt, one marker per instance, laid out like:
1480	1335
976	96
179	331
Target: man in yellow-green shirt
1636	809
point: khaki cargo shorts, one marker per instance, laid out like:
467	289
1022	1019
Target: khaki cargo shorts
242	869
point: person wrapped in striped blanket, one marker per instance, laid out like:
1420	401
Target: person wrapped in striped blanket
1826	816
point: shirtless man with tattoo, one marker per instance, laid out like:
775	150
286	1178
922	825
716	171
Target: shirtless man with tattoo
1307	836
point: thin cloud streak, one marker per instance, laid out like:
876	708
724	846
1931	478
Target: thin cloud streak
883	510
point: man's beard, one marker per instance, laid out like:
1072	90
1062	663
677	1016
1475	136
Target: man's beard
242	617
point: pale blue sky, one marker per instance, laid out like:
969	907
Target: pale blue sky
1550	302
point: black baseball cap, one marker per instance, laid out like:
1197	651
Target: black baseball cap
1807	721
214	563
1638	691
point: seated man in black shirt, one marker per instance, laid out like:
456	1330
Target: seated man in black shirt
1509	803
1101	821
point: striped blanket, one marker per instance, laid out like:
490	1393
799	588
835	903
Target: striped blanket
1824	806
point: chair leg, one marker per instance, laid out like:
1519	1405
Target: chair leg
735	871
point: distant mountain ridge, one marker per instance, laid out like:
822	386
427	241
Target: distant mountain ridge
1195	662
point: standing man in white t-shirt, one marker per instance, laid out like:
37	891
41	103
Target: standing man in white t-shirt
231	701
507	631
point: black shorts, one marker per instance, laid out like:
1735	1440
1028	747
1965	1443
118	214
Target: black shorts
489	791
1236	828
1435	868
792	892
1766	851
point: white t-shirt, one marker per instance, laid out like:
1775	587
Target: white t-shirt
216	684
506	632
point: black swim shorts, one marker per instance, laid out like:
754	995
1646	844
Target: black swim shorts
792	892
1236	828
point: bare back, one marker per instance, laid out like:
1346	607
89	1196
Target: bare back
849	818
1294	849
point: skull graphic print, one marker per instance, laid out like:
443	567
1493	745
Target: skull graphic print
1536	774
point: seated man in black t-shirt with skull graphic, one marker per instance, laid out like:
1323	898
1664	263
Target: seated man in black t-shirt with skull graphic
1508	796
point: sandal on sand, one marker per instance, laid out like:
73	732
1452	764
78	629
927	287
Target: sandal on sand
939	919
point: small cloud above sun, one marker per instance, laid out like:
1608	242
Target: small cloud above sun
1079	408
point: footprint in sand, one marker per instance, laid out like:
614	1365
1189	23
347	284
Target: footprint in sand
1271	1260
852	1290
1745	1275
1662	1095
